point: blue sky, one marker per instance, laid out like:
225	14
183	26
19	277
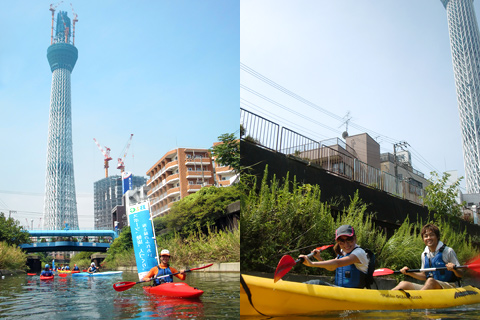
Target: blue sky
166	71
388	63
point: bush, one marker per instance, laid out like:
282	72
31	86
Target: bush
12	257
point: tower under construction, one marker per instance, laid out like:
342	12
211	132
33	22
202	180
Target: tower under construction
465	46
60	207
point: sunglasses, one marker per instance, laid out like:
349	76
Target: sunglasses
343	240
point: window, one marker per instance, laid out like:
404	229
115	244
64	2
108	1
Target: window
190	182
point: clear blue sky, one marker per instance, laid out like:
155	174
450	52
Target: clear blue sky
387	62
166	71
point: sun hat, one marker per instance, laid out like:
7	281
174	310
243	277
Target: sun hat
47	266
165	252
345	230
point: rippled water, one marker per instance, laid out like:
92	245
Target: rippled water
27	297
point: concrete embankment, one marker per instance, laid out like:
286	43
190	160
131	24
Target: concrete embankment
217	267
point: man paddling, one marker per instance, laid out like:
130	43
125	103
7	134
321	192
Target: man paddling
164	269
47	272
435	255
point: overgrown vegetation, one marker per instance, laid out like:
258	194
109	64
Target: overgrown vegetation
11	235
12	257
200	210
289	218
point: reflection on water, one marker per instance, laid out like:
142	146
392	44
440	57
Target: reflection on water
27	297
471	312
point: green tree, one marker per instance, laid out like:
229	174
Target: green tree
201	209
12	232
440	198
227	153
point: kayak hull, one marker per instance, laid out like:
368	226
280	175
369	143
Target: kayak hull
289	298
97	274
46	278
174	289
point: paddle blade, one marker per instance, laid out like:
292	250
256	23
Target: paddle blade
284	265
383	272
122	286
474	264
63	275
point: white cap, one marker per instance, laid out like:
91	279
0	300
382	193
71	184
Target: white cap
92	264
165	252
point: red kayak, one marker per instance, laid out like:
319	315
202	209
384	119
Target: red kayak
46	277
174	289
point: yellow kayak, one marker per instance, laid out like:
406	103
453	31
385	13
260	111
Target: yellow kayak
261	296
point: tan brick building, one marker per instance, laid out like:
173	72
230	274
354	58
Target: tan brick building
179	173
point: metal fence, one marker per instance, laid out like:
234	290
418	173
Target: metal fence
336	159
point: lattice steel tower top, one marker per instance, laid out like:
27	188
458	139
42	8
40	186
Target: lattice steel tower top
60	207
465	46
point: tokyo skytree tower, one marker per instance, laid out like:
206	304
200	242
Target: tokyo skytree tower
60	207
465	46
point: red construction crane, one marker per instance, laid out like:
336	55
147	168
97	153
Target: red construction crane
121	164
52	8
106	156
75	16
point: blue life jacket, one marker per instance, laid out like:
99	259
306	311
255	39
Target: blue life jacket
437	262
94	269
349	276
75	268
163	272
46	273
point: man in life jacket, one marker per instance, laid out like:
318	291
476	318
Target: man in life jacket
93	268
351	263
164	269
46	272
435	255
75	268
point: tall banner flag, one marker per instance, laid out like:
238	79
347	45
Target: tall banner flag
126	181
144	246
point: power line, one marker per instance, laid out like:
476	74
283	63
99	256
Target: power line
416	155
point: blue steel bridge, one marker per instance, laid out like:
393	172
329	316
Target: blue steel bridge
68	245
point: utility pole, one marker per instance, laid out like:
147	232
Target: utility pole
401	144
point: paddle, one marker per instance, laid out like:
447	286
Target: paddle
286	263
125	285
474	264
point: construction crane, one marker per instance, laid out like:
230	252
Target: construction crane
75	16
121	164
52	8
106	156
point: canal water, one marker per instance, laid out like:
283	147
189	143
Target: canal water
28	297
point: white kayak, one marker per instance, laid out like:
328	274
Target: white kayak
97	274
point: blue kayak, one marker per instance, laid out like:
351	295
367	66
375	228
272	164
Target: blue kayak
97	274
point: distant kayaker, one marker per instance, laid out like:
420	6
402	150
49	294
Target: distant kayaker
46	272
163	269
92	268
67	268
351	263
75	268
435	255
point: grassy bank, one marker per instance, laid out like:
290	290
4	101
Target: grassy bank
12	257
222	246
